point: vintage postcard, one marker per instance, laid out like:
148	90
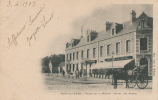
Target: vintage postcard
77	49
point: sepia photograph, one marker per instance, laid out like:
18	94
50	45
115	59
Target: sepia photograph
78	50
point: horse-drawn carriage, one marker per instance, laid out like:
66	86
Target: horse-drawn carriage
138	76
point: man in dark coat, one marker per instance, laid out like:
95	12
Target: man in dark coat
115	77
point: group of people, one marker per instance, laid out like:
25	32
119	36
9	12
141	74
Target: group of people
116	75
78	73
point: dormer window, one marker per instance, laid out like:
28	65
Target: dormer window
143	23
72	44
113	31
88	38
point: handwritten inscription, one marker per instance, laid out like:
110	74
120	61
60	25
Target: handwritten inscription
21	3
38	13
13	40
43	24
14	37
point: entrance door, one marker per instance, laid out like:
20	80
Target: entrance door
144	61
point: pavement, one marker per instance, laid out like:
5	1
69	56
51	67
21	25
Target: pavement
60	84
87	80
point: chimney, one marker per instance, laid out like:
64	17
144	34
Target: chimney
108	25
133	16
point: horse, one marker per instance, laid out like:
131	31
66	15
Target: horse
119	75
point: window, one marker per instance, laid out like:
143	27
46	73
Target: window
67	67
143	23
128	46
113	31
73	67
88	38
73	56
87	53
67	57
76	55
82	54
72	44
94	52
70	67
143	43
108	49
76	66
117	47
101	51
70	56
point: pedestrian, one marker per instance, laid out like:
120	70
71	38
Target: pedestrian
69	72
76	74
63	73
80	72
127	72
115	77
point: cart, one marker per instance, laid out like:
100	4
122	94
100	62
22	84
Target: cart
138	76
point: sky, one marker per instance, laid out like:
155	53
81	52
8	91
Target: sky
96	18
66	22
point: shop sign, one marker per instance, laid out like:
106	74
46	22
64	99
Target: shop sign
119	58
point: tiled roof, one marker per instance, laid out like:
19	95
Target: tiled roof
127	28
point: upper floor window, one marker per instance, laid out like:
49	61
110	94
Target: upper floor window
76	55
88	38
82	54
94	52
143	43
70	56
113	31
101	51
72	44
73	56
108	49
87	53
67	57
143	23
128	46
117	47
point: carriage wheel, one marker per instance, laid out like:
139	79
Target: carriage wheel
132	83
142	81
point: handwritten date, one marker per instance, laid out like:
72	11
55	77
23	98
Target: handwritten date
21	3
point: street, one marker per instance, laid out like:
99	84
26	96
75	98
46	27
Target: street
66	85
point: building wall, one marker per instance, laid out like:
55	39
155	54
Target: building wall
113	40
142	27
148	54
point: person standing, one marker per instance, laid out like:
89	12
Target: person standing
80	72
69	72
76	74
115	77
63	73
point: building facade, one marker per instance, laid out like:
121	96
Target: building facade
117	45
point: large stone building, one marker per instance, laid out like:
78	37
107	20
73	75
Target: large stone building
128	43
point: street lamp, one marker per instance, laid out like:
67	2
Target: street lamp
112	65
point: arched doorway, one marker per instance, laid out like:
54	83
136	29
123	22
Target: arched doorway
144	61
